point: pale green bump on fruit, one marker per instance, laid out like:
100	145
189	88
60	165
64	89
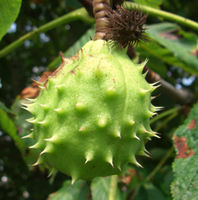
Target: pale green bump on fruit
92	117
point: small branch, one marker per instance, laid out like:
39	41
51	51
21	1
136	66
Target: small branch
79	14
163	14
113	187
181	96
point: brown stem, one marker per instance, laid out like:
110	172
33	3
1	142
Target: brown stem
88	4
99	9
181	96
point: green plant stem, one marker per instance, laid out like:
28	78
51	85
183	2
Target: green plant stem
165	122
159	165
80	14
163	14
165	113
10	128
113	187
154	171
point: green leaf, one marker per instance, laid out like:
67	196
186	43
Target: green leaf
185	167
151	3
149	192
9	10
7	125
151	49
100	189
158	55
180	43
163	179
4	108
153	192
78	191
73	49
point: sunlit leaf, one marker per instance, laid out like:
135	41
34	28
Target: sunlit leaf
180	43
9	10
158	56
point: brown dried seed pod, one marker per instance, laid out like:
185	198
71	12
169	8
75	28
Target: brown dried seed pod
125	26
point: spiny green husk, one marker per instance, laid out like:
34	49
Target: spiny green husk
92	117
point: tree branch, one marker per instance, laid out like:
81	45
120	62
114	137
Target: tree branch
181	96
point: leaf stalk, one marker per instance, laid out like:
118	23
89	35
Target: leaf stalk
113	187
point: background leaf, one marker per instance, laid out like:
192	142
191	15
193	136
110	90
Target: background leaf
77	191
73	4
7	125
149	192
180	43
158	56
100	189
73	49
4	108
9	10
185	168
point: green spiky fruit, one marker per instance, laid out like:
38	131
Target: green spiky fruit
92	117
